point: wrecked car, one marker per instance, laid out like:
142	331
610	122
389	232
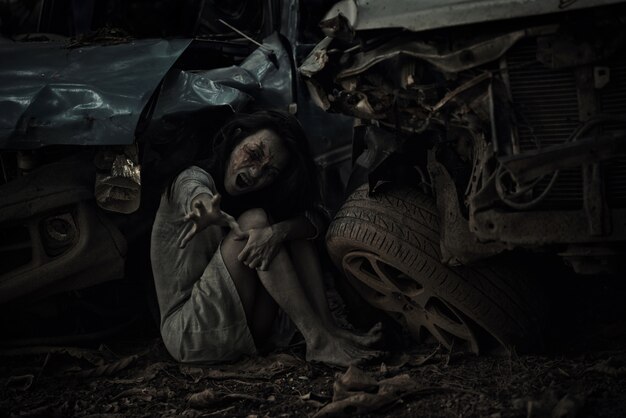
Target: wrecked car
483	128
92	125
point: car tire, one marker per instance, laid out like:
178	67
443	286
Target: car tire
387	245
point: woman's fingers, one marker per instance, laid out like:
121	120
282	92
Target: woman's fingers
215	202
250	258
240	235
244	254
189	217
234	226
196	212
200	209
256	262
203	213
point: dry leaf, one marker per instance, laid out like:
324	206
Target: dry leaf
314	400
208	398
609	367
358	393
353	380
108	369
146	394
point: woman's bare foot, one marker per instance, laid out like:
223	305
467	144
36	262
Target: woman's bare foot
366	339
339	351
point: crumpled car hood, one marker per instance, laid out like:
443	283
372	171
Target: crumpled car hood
92	95
51	95
259	78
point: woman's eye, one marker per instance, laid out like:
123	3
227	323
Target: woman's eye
255	155
274	173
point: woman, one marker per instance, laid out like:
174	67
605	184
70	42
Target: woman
219	290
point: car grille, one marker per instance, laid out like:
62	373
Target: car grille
546	105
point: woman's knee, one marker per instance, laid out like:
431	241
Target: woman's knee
253	218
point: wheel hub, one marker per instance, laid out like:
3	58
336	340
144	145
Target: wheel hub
405	299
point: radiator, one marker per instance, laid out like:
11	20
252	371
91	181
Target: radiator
546	105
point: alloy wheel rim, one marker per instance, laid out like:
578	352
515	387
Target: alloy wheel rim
405	299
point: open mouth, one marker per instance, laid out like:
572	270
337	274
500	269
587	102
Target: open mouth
243	181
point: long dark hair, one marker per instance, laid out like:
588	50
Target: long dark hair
295	189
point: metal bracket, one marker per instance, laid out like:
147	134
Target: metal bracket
458	245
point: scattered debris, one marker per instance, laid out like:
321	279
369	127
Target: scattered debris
108	369
21	383
611	366
208	398
146	375
413	382
356	392
262	368
314	399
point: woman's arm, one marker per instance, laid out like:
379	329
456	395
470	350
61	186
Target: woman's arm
263	243
205	211
298	227
199	203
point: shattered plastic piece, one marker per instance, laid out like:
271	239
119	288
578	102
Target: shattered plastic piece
119	190
338	27
127	169
317	59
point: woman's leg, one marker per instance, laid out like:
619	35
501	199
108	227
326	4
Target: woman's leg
284	287
258	305
309	270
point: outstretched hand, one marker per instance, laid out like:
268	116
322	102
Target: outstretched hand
206	211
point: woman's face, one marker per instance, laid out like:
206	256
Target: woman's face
255	163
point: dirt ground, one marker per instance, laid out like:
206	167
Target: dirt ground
581	372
